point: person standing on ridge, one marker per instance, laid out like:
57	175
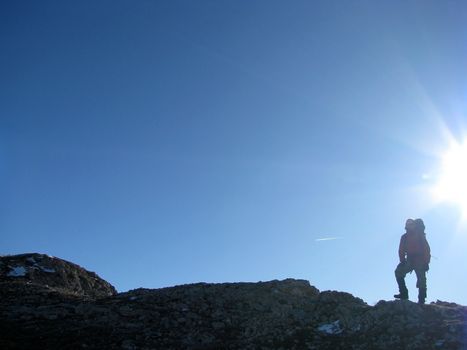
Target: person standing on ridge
414	254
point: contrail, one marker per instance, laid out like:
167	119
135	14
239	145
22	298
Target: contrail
327	239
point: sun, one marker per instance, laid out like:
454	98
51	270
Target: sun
452	182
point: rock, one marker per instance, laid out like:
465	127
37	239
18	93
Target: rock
51	272
48	303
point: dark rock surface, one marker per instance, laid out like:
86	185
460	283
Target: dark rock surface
38	314
54	273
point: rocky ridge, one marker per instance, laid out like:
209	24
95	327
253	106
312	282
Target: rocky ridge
77	310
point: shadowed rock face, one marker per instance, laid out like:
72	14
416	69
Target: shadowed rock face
63	276
287	314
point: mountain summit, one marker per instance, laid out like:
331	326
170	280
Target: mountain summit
49	303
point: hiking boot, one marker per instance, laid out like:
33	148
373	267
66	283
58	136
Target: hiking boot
401	296
403	291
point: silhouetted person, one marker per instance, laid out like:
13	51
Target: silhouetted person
414	254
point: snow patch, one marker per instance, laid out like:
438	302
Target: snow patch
36	265
331	328
46	269
17	271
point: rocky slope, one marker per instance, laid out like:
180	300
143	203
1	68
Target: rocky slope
48	303
53	273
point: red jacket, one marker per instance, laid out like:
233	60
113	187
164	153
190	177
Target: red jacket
415	248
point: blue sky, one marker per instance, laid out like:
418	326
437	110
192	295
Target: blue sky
170	142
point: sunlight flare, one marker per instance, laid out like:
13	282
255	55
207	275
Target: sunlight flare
452	182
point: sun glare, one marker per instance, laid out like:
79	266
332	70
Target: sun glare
452	183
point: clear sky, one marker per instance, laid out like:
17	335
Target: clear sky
169	142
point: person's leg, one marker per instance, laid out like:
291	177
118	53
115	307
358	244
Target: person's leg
401	270
421	285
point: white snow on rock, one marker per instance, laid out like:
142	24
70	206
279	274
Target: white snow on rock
38	266
331	328
17	271
46	269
